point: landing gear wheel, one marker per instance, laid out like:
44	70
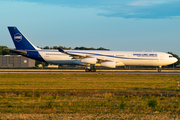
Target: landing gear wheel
87	70
90	68
159	70
93	70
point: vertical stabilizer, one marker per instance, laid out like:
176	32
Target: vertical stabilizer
20	41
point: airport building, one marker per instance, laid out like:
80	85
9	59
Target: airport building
15	61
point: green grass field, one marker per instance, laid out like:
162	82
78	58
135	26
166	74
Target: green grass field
99	96
99	81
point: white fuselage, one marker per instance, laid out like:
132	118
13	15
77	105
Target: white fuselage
88	57
122	58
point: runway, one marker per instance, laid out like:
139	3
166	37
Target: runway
47	71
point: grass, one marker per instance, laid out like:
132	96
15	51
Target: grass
90	96
99	81
88	104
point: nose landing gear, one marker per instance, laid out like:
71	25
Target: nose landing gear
159	69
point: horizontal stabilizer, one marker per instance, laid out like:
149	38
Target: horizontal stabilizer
19	52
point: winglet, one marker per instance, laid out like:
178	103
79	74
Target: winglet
60	50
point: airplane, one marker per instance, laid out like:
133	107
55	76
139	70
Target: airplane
88	58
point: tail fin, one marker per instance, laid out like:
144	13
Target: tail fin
20	41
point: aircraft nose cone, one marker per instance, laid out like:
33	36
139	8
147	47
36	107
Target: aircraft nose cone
175	60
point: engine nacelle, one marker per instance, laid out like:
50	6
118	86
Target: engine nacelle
89	60
109	64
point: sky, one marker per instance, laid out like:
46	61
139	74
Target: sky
120	25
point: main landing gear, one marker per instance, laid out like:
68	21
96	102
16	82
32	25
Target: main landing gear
91	68
159	69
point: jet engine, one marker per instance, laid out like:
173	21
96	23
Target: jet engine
110	64
89	60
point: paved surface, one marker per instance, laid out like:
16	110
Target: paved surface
47	71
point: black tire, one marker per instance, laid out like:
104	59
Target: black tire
87	70
93	70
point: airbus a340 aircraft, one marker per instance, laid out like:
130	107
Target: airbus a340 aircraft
89	58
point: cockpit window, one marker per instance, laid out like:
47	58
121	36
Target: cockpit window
170	56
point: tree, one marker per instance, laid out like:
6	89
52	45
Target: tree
4	51
46	47
65	48
76	48
55	47
101	48
85	48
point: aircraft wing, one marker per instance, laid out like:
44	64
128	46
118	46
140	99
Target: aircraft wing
98	60
75	56
79	56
